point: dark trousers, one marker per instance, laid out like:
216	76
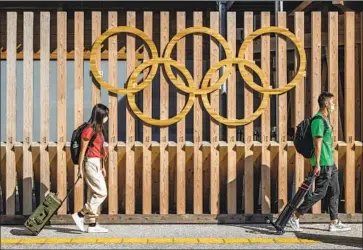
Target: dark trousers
326	184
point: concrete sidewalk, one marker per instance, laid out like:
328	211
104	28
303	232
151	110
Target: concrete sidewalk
262	236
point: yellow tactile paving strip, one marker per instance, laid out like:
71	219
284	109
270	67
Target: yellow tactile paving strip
157	241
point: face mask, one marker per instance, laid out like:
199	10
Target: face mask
332	108
105	119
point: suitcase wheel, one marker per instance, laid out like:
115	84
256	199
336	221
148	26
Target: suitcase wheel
280	232
35	233
267	220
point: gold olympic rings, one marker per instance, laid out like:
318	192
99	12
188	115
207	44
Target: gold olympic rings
132	87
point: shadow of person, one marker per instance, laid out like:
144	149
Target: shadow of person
327	239
332	239
264	229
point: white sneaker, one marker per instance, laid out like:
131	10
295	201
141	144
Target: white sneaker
294	223
79	221
339	227
97	229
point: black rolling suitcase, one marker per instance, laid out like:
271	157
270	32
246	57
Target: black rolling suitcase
45	211
285	215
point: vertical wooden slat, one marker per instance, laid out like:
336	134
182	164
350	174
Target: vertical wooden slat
10	112
299	100
282	116
349	114
147	104
333	74
315	73
180	127
78	95
198	120
96	32
265	119
62	107
164	114
361	98
214	126
112	123
130	123
248	132
44	107
28	113
231	114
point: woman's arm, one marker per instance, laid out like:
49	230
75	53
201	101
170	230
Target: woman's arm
84	146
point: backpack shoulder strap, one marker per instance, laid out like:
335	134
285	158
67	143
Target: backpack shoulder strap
326	125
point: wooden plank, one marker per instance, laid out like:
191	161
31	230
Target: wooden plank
130	122
10	177
214	126
265	121
28	113
96	32
78	96
147	105
164	114
190	219
361	98
121	54
282	116
231	114
349	114
248	133
299	100
62	108
315	73
198	119
44	100
180	126
333	72
112	122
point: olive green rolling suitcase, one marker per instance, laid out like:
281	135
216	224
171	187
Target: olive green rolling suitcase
44	212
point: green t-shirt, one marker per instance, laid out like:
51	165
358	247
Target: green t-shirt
318	130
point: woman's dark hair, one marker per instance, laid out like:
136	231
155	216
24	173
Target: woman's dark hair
323	98
99	112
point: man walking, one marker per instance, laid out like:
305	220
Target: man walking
326	182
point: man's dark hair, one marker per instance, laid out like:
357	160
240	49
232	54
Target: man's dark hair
323	98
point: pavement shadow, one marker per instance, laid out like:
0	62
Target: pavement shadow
26	232
21	232
332	239
267	230
327	239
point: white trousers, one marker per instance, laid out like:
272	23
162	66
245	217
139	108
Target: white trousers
97	189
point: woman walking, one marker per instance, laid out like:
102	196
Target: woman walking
91	163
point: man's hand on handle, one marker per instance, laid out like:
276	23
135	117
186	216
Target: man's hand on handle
317	170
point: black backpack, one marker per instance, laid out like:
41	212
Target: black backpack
303	139
76	142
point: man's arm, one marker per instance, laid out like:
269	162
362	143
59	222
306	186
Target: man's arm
317	142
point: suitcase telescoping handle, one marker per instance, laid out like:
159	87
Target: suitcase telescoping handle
79	177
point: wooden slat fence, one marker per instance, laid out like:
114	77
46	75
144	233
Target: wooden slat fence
201	176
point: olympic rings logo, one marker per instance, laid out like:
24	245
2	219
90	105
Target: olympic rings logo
133	87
